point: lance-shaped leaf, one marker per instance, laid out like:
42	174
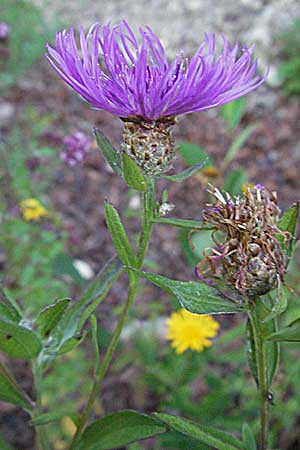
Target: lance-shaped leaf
193	155
272	348
232	112
111	154
71	343
76	315
51	315
18	341
248	438
133	174
183	223
119	429
214	438
238	142
10	392
8	309
196	297
289	222
119	236
234	182
291	333
187	173
94	328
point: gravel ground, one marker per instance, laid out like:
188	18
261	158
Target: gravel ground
181	23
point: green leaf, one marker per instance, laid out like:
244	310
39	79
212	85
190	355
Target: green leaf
44	419
18	341
272	348
133	174
63	264
51	315
111	154
214	438
251	352
238	142
71	343
181	223
232	112
280	303
248	438
94	328
10	392
291	333
187	173
119	236
289	222
119	429
76	315
234	181
193	155
196	297
8	309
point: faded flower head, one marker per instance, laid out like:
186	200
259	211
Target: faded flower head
247	255
77	145
190	331
32	209
130	78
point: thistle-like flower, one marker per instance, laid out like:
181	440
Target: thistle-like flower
248	255
114	72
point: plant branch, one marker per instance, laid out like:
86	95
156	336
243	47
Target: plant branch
147	223
262	375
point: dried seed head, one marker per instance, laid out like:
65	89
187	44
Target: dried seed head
150	144
249	257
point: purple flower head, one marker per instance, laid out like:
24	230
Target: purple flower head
77	145
136	79
4	31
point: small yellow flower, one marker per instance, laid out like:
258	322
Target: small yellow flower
211	172
32	209
187	330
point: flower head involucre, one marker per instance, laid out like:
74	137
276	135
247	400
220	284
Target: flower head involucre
190	331
112	71
247	254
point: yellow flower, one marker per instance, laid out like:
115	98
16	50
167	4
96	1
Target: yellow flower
32	209
188	330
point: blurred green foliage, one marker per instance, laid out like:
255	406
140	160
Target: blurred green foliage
28	34
290	67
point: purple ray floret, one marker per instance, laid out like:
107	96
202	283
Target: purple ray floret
112	71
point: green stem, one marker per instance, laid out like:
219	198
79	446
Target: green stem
148	198
262	375
42	442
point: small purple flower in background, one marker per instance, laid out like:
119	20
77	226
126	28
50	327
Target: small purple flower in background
77	145
112	71
4	31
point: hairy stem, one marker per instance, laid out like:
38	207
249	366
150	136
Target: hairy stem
147	223
262	376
